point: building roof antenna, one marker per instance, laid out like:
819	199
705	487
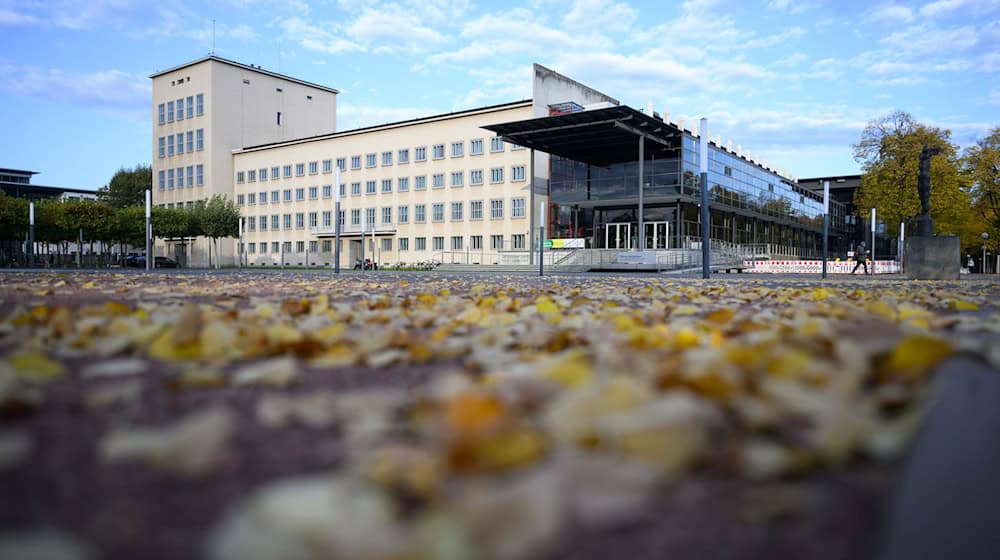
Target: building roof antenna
213	36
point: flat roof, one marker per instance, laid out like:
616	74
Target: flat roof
17	171
409	122
250	67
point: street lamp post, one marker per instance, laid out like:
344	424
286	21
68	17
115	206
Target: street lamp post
826	224
982	267
336	221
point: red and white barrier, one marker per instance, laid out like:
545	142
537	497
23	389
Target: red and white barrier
816	267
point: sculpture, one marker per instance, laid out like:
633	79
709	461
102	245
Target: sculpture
925	224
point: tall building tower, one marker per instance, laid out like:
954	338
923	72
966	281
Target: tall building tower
205	109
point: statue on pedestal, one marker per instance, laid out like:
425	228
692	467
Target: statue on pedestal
925	224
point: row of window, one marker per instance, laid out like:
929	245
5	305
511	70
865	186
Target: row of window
192	175
457	214
190	107
457	179
371	160
517	241
183	142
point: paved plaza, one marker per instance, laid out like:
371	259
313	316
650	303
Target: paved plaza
302	414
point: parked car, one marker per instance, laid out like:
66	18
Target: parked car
139	261
165	262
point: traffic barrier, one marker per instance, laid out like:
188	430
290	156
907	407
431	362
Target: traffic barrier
816	267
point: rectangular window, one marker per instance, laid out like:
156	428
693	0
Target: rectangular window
300	193
516	147
190	141
190	177
437	212
327	246
457	178
476	177
369	187
180	177
404	155
252	176
300	246
457	149
190	107
517	208
517	240
240	177
162	112
387	185
240	200
496	209
496	175
277	118
496	144
251	248
403	214
180	143
404	243
476	147
327	166
314	246
327	218
300	220
263	197
370	160
263	174
420	153
456	243
163	146
403	184
476	242
438	243
170	179
163	180
170	145
275	197
275	172
370	216
476	210
437	151
420	243
286	221
356	217
517	173
180	109
313	167
437	181
355	189
170	111
276	247
313	219
342	164
457	209
286	171
286	195
420	213
386	158
342	220
251	223
200	171
251	197
420	182
300	169
387	214
327	191
343	189
355	162
199	139
496	242
387	244
200	104
263	223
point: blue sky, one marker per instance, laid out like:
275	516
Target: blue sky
792	81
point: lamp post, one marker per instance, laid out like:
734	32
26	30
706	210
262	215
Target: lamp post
149	230
336	221
31	234
873	242
826	224
541	238
982	267
706	256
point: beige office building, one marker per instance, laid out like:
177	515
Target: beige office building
438	188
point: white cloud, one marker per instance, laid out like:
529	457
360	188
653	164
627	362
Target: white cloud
891	13
315	38
391	28
600	14
921	40
940	7
791	60
105	89
351	116
69	14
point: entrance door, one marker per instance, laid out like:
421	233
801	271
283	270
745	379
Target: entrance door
354	251
180	254
618	236
657	235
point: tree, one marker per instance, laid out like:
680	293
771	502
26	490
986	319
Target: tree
889	152
127	187
982	166
168	222
13	218
220	218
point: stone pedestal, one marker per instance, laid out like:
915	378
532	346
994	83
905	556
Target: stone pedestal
925	226
933	258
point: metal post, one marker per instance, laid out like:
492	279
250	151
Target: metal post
873	242
239	257
531	209
373	244
336	221
282	241
541	239
364	228
149	231
31	234
642	158
706	256
79	249
826	224
902	243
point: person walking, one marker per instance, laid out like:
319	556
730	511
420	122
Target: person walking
859	254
